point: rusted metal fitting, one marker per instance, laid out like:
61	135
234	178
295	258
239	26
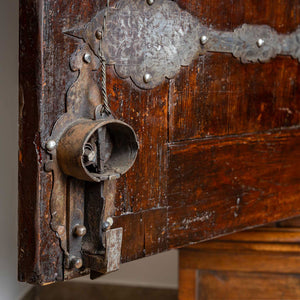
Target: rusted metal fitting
113	144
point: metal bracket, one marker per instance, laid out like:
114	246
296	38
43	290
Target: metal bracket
149	41
89	151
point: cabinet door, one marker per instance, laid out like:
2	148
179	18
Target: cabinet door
152	124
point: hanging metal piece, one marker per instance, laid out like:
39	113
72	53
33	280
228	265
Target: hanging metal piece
158	38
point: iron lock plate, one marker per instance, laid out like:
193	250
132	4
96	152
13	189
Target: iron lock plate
149	41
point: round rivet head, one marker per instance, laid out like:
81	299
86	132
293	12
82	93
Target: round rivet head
77	262
87	58
98	34
203	39
80	230
108	223
147	78
51	145
260	42
150	2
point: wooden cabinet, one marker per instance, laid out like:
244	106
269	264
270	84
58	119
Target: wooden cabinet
256	264
218	139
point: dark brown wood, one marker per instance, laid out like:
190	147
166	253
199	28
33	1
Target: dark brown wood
218	132
187	284
256	264
239	285
221	185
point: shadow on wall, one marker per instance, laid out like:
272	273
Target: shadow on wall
157	271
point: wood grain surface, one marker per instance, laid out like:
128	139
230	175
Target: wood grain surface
218	143
255	264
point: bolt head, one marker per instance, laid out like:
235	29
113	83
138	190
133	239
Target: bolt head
80	230
87	58
98	34
110	221
147	78
260	42
51	145
203	39
77	262
150	2
105	226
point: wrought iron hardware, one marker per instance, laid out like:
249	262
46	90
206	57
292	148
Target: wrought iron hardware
146	41
89	151
149	41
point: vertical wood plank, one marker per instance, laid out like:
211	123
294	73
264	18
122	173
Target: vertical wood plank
187	284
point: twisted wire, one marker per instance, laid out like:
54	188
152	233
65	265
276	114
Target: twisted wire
106	107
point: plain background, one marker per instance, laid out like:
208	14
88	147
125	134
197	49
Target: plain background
159	270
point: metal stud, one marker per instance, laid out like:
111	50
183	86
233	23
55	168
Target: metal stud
260	43
203	39
150	2
147	78
98	34
87	58
51	145
80	230
77	262
108	223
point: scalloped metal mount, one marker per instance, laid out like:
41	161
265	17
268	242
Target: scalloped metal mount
150	42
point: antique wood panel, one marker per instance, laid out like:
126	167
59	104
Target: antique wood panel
256	264
220	185
217	143
218	96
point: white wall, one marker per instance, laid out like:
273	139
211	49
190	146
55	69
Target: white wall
9	287
159	270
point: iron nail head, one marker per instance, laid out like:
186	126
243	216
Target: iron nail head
203	39
51	145
77	262
87	58
150	2
98	34
147	78
80	230
260	42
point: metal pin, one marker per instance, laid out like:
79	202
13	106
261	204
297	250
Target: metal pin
150	2
77	262
51	145
80	230
108	223
260	42
98	34
87	58
147	78
203	39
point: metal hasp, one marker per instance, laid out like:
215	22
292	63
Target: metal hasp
149	41
89	150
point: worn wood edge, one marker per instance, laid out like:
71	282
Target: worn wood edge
30	82
264	235
247	246
223	260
